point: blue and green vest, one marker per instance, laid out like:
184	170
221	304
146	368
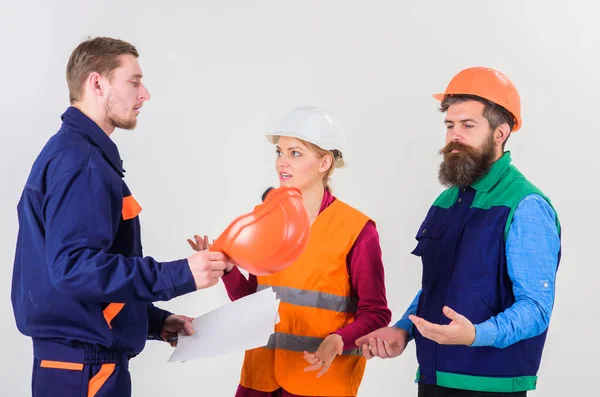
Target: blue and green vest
462	246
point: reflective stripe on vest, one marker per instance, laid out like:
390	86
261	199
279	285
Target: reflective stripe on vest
316	299
298	343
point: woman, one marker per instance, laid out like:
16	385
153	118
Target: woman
333	294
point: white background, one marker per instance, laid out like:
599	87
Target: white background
222	73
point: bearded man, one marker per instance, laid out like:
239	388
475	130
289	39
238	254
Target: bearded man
490	248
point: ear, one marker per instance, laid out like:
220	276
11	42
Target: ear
326	163
95	83
502	133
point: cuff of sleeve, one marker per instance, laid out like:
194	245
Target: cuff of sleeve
156	321
347	338
234	270
181	276
485	334
406	325
232	279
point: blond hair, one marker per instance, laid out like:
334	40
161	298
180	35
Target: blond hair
322	153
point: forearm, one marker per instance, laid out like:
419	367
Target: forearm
404	322
524	319
237	286
370	318
94	276
368	284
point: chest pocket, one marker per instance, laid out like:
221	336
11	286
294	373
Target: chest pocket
428	238
430	248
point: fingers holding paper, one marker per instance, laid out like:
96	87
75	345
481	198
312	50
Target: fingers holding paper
174	324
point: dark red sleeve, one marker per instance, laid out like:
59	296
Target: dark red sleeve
237	285
365	266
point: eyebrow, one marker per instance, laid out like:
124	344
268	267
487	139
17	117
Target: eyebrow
290	148
137	76
461	121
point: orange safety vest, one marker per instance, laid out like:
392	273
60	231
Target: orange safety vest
316	300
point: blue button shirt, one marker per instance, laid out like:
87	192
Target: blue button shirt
532	252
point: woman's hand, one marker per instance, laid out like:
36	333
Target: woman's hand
199	244
325	354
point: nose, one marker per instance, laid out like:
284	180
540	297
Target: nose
282	161
455	135
144	94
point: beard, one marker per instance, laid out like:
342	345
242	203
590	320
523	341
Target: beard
119	122
468	165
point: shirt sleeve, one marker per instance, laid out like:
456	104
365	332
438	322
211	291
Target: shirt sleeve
532	253
404	322
237	285
368	283
82	211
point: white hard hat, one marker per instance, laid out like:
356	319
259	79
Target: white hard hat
313	125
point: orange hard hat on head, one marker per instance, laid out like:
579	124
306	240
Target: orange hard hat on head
489	84
270	238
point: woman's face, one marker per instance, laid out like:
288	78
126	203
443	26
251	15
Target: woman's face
299	166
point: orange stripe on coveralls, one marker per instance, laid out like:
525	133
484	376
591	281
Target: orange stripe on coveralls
61	365
100	378
111	311
131	208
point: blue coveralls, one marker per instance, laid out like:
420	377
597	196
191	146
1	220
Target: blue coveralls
82	289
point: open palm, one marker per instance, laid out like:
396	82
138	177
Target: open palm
385	342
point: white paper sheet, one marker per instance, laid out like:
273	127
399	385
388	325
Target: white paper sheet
238	326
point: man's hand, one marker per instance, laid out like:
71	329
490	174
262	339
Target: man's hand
202	244
459	332
325	354
207	267
385	342
173	325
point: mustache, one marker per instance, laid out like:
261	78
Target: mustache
456	146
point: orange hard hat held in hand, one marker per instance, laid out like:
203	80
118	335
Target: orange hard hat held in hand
270	238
